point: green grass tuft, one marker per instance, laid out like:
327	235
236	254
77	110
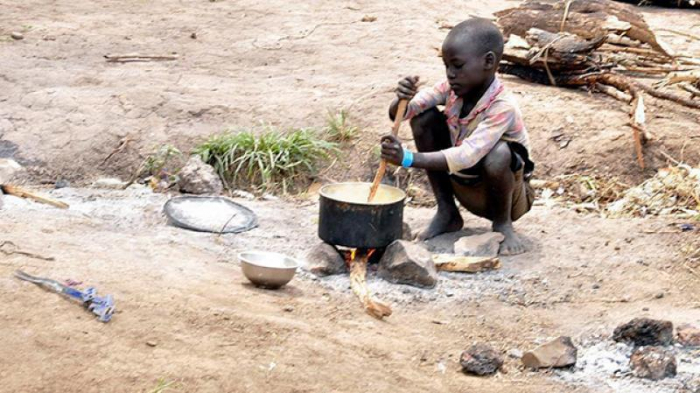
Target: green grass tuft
338	128
268	160
163	386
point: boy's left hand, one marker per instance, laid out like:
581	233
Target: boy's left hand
391	149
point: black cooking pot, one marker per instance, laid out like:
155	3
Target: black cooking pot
346	219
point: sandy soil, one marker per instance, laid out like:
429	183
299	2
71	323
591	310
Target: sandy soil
64	108
183	292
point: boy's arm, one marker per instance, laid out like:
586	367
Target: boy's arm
393	153
457	158
419	101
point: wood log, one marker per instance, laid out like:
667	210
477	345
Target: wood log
22	193
463	264
358	283
613	92
590	19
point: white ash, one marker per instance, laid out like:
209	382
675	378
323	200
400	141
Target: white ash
603	363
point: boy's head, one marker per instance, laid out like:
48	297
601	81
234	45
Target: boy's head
471	53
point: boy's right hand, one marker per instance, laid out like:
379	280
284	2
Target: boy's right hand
408	87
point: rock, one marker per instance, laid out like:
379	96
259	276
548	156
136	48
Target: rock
61	183
480	359
196	177
558	353
9	170
484	245
653	363
515	353
645	331
109	183
17	36
243	194
288	309
151	343
408	263
688	335
407	233
325	260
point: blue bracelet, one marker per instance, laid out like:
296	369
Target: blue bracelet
407	158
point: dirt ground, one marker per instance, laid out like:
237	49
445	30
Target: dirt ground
183	292
186	314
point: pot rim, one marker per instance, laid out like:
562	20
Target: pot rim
324	193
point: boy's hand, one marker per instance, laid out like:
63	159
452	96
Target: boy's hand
391	150
408	87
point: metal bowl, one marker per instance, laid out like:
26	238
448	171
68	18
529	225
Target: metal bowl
267	269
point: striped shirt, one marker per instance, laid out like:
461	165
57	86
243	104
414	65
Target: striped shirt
495	117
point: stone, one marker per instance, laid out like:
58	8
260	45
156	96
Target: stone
325	260
480	359
110	183
17	36
560	352
688	335
196	177
408	263
653	363
515	353
61	183
484	245
9	170
407	233
645	331
151	343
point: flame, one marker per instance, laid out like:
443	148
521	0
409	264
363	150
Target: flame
370	252
353	253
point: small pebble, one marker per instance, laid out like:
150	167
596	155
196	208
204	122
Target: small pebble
193	36
596	286
62	183
288	308
515	353
645	309
16	36
151	343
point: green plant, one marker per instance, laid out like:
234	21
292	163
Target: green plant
267	160
338	128
163	386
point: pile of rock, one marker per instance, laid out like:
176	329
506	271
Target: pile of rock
403	262
650	359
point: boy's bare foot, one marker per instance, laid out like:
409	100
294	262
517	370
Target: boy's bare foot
511	245
444	221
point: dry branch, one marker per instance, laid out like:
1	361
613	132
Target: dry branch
22	193
131	58
358	283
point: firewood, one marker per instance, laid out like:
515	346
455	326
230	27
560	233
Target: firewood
22	193
459	263
358	283
589	19
694	91
681	76
613	92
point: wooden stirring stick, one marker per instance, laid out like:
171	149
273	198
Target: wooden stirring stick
400	112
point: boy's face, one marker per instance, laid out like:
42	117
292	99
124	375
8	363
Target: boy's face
466	69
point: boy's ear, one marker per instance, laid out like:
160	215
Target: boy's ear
489	61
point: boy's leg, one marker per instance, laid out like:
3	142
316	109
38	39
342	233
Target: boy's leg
430	133
492	197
